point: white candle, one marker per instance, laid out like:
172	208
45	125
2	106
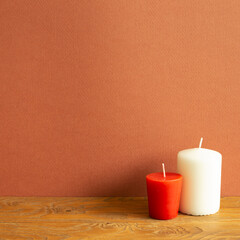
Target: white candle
201	171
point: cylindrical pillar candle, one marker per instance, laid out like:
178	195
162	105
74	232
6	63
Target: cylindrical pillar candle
163	194
201	171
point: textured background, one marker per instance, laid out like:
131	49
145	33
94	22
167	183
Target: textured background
96	94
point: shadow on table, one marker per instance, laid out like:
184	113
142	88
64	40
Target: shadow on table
128	185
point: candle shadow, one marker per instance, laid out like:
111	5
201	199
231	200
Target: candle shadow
131	186
124	207
125	193
128	183
131	182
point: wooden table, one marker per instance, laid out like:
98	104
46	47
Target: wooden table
106	218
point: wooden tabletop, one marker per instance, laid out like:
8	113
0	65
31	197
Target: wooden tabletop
58	218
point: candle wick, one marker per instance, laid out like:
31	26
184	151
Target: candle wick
200	144
163	167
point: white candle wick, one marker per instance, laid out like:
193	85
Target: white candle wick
200	144
163	167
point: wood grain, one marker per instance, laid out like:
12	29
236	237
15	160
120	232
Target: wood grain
109	218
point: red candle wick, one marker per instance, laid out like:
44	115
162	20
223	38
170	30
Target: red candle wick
164	173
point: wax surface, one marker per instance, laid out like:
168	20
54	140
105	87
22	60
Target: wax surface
201	171
159	177
163	195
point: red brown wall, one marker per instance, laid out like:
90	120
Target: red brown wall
96	94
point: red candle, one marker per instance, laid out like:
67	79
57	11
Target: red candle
163	194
